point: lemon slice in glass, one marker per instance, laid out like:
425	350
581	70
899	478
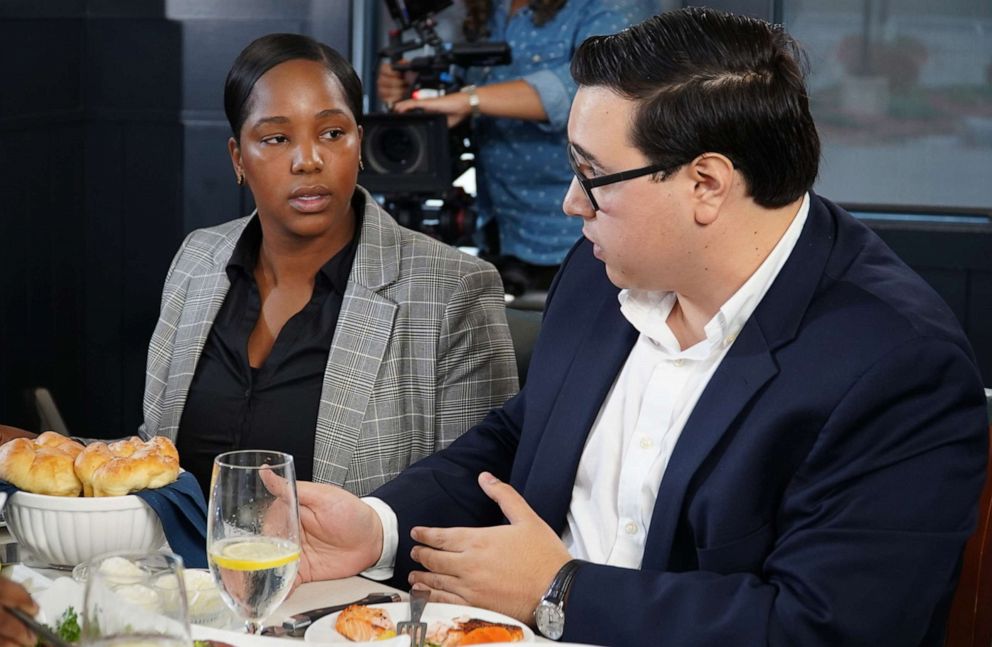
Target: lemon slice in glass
253	554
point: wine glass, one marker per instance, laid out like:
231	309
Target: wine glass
253	531
135	599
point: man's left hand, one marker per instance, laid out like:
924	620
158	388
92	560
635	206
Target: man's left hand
504	568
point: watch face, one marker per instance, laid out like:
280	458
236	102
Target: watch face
550	619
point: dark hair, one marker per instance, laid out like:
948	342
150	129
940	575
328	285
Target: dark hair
476	24
709	81
264	53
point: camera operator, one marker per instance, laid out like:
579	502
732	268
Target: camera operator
519	112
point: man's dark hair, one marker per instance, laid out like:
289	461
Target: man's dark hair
709	81
264	53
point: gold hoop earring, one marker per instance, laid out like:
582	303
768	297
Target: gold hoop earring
241	177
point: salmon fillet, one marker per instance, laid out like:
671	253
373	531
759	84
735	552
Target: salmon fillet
361	623
473	631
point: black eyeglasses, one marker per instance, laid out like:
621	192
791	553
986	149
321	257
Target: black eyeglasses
588	184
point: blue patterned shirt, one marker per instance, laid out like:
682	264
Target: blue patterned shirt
521	166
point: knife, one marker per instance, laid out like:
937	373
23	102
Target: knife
47	636
297	625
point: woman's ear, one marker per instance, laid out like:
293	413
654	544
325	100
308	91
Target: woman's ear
712	175
235	151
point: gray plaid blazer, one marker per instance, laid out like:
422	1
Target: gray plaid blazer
420	354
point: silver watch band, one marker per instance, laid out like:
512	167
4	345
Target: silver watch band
473	100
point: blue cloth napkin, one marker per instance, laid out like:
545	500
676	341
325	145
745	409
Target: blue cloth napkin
183	513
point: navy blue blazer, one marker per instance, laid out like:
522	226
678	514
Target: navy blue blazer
822	489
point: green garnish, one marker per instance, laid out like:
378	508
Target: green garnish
67	626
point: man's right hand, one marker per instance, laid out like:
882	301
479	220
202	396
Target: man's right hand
340	535
12	632
9	433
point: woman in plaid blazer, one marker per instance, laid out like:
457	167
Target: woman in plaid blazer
420	349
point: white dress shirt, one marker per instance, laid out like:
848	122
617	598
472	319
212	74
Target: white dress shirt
631	441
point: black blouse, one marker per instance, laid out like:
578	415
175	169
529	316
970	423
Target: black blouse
231	405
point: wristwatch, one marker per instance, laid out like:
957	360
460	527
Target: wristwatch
473	100
550	612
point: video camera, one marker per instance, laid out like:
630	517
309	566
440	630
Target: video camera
411	159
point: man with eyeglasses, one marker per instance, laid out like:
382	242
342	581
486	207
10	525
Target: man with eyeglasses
746	422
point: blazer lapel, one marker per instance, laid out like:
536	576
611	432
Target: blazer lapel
364	328
746	368
597	362
205	295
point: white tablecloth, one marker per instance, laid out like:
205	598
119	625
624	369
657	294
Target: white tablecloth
308	596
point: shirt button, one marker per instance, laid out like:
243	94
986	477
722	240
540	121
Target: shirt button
646	443
678	363
536	58
729	339
631	528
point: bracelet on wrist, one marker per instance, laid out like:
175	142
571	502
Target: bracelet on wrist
473	100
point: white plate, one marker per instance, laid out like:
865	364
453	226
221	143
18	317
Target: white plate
323	630
241	639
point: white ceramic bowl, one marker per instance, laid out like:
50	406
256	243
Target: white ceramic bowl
68	530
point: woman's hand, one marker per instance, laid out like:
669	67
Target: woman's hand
454	106
514	99
12	632
391	85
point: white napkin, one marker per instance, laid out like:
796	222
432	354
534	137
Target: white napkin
29	578
57	597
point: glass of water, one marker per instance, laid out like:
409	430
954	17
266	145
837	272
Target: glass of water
135	599
253	531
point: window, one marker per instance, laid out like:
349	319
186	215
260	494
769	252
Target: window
901	93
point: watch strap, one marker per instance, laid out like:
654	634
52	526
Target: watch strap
473	99
562	584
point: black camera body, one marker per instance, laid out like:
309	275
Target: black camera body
412	158
406	154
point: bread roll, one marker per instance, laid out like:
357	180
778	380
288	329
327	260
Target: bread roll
92	457
125	466
43	465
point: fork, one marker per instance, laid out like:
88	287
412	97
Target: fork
413	627
46	636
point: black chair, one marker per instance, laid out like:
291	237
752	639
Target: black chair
49	417
524	327
970	621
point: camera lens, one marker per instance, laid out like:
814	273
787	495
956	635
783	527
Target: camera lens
396	149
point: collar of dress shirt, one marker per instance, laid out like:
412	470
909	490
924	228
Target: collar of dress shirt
647	311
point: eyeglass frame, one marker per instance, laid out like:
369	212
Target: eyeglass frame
588	184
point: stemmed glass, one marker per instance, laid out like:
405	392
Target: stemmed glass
253	532
135	599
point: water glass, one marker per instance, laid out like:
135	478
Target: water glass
135	599
253	532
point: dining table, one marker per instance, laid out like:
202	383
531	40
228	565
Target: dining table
305	597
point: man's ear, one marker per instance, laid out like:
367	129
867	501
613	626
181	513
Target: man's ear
712	175
235	152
